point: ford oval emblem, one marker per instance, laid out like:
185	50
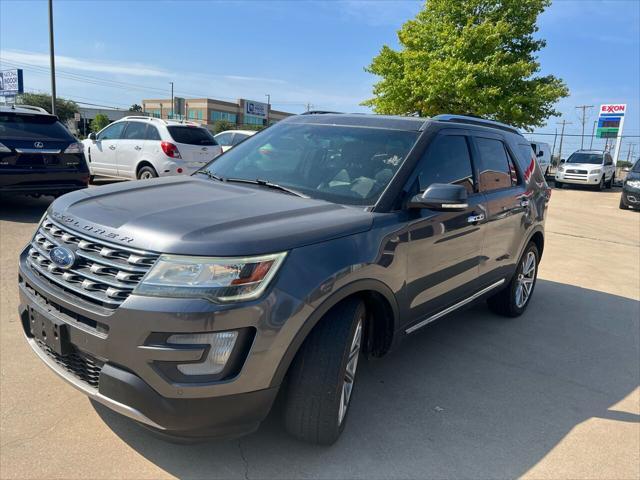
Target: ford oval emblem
62	257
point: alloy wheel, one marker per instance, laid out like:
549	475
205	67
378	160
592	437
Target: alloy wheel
350	372
526	277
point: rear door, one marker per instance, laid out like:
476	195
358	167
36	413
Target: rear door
445	248
130	148
507	206
102	153
196	145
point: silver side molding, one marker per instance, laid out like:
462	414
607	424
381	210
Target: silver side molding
450	309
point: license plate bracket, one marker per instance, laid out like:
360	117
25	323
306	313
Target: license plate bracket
53	333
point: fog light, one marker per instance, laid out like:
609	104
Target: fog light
221	345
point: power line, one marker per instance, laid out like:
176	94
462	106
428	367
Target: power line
583	120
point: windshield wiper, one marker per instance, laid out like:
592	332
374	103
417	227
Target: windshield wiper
264	183
211	175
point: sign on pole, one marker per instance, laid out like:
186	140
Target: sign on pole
11	82
611	123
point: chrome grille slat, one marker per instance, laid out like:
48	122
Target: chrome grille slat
104	273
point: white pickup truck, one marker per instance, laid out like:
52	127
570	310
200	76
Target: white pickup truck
587	167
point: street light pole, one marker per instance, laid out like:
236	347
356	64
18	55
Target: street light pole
268	107
172	103
52	60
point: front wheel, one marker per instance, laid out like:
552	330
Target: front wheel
513	300
322	376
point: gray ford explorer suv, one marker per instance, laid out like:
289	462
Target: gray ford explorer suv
188	304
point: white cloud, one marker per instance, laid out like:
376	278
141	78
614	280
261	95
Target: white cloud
71	63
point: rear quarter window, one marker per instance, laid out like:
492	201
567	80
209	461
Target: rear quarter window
192	135
33	127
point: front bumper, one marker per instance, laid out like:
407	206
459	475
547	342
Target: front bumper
631	196
125	369
578	178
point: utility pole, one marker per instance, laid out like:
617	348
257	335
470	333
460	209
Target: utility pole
268	107
555	137
309	107
52	61
563	123
593	133
583	120
173	105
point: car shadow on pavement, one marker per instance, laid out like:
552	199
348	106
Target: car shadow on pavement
23	208
474	395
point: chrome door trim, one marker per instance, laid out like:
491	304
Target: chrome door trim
450	309
46	151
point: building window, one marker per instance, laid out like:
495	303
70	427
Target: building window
228	117
195	114
253	120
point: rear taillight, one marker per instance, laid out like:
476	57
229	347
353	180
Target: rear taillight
4	149
76	147
170	150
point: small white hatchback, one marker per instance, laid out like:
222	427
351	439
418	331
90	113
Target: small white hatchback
146	147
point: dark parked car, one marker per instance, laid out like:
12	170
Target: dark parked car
630	197
188	303
38	155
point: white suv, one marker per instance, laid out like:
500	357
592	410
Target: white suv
146	147
587	167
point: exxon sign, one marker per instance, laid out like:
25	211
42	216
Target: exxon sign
610	119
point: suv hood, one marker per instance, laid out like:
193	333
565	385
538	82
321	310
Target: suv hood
198	216
581	166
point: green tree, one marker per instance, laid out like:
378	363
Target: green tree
222	125
99	122
472	57
135	108
65	109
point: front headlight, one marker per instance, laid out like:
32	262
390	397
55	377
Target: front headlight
596	170
633	183
561	169
216	279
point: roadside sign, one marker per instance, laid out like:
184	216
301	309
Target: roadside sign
11	82
76	117
610	124
258	109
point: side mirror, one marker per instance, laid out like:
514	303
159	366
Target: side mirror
441	196
541	153
92	136
562	161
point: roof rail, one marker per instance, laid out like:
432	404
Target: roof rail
320	112
31	107
483	122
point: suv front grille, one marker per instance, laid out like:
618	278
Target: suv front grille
103	273
81	365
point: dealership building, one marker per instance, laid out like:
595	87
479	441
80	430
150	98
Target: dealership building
207	111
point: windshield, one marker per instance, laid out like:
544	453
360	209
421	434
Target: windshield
592	158
192	135
349	165
33	127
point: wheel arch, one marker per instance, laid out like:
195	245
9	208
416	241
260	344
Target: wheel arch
537	237
144	163
382	318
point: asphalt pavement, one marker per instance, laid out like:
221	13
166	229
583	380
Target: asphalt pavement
552	394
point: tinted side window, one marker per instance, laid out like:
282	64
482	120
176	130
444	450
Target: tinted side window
447	161
224	139
135	131
497	169
152	133
238	137
112	132
607	159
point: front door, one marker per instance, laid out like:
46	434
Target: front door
130	149
102	152
445	248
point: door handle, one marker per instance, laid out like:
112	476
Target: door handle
138	147
112	147
475	218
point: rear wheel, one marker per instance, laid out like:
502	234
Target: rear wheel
322	376
147	172
513	300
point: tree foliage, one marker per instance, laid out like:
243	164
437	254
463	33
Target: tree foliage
472	57
135	108
65	109
99	122
222	125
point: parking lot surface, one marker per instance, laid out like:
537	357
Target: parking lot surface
552	394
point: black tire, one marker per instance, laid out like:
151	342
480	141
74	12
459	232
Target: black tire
622	204
610	182
147	172
558	184
317	375
92	178
601	185
505	302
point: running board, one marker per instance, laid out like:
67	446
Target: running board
462	303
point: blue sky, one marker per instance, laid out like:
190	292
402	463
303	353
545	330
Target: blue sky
298	51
